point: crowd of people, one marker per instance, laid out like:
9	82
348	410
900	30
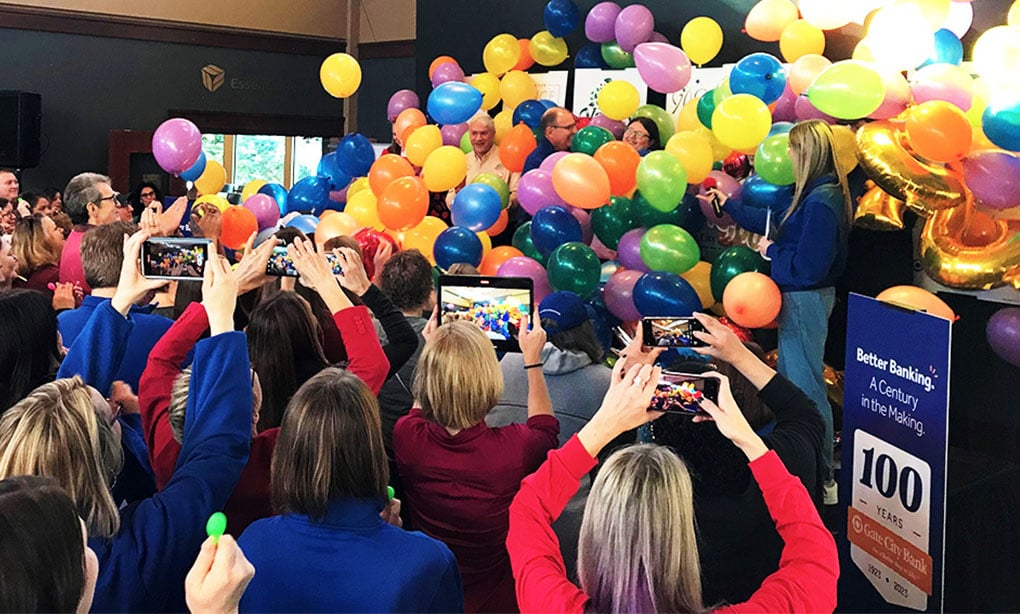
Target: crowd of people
368	456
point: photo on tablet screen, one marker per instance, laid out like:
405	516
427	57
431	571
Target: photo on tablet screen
495	308
174	258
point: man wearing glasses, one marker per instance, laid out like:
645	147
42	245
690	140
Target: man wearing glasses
89	201
558	128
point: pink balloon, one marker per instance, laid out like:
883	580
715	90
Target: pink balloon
628	251
551	160
618	295
584	218
176	144
447	71
897	95
633	26
785	110
662	67
535	190
452	133
804	111
600	24
603	252
617	128
943	82
266	211
522	266
656	37
728	186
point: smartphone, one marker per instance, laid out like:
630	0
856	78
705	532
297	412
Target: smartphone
170	258
281	265
682	393
671	333
494	304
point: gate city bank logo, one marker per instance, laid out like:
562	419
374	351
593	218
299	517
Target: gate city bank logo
212	77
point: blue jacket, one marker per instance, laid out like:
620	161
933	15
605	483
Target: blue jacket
142	567
540	153
351	561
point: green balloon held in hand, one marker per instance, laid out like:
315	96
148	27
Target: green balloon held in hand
216	526
589	139
610	222
669	248
497	184
522	241
616	57
574	267
662	180
732	262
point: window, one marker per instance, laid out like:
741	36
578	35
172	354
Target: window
275	159
212	145
259	157
307	153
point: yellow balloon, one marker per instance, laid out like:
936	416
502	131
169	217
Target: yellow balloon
979	101
213	199
997	54
444	169
742	121
701	39
421	143
251	188
688	118
699	278
719	151
488	85
618	100
358	185
900	38
501	53
935	12
504	121
862	51
486	242
213	178
844	143
340	74
516	87
363	208
799	39
1013	17
548	50
694	151
423	236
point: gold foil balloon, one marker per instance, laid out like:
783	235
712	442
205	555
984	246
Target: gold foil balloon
877	210
966	248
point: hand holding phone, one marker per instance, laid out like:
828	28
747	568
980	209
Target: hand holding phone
683	393
671	332
731	422
170	258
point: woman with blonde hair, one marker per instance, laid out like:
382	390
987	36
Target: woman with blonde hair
808	255
37	243
459	474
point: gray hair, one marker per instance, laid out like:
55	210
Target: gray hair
484	118
179	404
81	191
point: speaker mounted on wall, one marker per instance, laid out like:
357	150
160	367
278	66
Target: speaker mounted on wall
20	129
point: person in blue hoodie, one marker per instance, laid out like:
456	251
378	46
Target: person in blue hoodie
808	254
64	430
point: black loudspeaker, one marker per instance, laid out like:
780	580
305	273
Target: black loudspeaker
20	125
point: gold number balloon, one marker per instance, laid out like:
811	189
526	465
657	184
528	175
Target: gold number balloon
966	248
877	210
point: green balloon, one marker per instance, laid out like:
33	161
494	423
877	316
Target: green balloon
496	184
616	57
732	262
669	248
663	121
722	91
662	180
772	161
646	216
465	143
706	107
847	90
589	139
610	222
522	241
574	267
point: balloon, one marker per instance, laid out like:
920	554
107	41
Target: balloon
195	170
525	61
501	53
620	162
503	121
251	188
966	248
741	122
805	70
609	223
535	190
421	142
662	294
615	127
212	199
662	180
752	300
877	210
847	90
663	67
1001	122
547	49
516	87
767	19
706	108
759	74
522	266
961	15
633	26
698	277
1003	334
919	299
938	131
804	111
455	245
694	153
590	56
618	100
488	85
552	227
552	159
589	139
336	225
364	208
465	143
354	154
446	72
213	178
629	250
423	236
387	169
772	160
800	38
369	241
329	168
278	193
403	204
454	102
340	75
516	146
267	212
600	24
444	169
899	38
581	181
758	193
305	223
824	14
522	241
669	248
400	100
647	216
530	113
238	224
618	295
439	61
663	120
574	267
497	184
407	122
476	207
701	39
943	82
177	145
614	57
948	48
737	165
492	261
994	178
732	262
309	194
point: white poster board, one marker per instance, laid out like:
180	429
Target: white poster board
588	83
552	86
702	80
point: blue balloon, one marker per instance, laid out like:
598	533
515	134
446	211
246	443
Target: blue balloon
561	17
760	74
309	194
1001	122
948	49
196	169
548	104
553	226
780	128
330	168
476	207
530	112
454	102
456	244
760	194
661	294
279	194
305	223
693	218
590	56
354	155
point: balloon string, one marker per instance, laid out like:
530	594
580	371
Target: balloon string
968	204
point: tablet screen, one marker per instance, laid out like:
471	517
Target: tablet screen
494	304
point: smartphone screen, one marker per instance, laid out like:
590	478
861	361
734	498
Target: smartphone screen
671	332
494	304
683	392
281	265
169	258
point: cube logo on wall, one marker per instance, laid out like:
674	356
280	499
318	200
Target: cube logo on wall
212	77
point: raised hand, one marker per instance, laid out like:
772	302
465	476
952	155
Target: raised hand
63	296
730	420
317	273
218	578
624	407
251	271
531	341
354	277
133	285
219	295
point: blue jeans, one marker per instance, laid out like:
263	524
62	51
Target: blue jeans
803	327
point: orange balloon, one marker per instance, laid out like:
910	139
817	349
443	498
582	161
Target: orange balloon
336	224
387	169
515	147
494	259
939	130
406	122
620	161
526	60
581	181
403	203
440	60
238	224
500	225
919	299
752	300
423	236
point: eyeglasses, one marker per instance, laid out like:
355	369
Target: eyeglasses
112	197
147	194
568	127
638	133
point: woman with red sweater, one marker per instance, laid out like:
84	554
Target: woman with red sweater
637	550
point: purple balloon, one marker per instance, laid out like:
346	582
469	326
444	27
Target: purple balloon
1003	333
522	266
628	252
617	128
400	100
551	160
338	196
535	190
176	144
994	178
929	83
600	24
786	106
633	26
618	295
447	71
804	111
662	67
584	218
658	37
266	211
452	133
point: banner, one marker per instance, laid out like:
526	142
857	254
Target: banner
588	83
552	86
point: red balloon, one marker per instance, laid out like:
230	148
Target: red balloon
369	240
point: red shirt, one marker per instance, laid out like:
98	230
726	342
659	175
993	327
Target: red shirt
71	270
459	488
805	581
